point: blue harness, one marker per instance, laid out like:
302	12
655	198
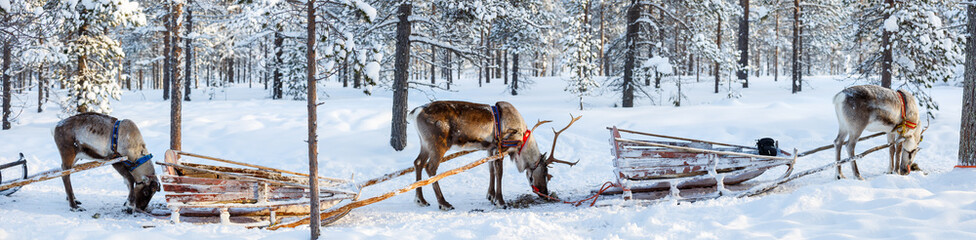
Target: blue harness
115	148
498	130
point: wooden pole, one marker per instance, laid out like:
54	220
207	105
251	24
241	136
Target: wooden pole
765	188
415	185
405	171
58	173
313	163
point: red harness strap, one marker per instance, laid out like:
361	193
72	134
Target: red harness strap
906	123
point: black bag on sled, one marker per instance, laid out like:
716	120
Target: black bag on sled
767	147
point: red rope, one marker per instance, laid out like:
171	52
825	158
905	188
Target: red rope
962	166
606	186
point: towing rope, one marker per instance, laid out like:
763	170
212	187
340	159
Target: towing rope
606	186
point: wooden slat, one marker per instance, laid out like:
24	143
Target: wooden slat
227	197
681	138
703	150
201	181
241	176
194	188
255	166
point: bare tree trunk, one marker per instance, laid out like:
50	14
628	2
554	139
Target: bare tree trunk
189	49
448	69
398	138
796	46
718	42
743	42
515	73
967	132
41	85
176	108
6	84
505	66
433	67
886	48
776	48
604	64
167	53
276	88
633	13
313	152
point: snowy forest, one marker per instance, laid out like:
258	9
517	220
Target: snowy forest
234	77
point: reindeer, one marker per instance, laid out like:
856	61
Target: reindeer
101	137
877	109
443	125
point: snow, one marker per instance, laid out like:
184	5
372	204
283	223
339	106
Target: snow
354	131
372	70
367	9
660	64
891	24
5	5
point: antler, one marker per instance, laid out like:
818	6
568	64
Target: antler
552	152
540	123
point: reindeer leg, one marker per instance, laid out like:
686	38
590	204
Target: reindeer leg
431	171
891	154
67	162
491	179
838	146
850	151
418	164
499	200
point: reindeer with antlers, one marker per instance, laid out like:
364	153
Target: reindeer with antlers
498	128
878	109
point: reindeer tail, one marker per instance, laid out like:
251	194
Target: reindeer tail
412	116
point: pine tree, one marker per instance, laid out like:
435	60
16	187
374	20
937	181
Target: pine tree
579	44
94	54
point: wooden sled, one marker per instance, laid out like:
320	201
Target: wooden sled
664	166
242	194
23	163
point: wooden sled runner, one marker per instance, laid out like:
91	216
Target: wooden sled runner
23	163
664	166
242	194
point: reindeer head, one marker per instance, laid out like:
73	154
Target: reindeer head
907	148
538	174
144	183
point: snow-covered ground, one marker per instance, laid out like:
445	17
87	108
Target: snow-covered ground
242	124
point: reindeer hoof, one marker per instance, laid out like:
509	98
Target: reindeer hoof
421	202
446	207
501	204
491	197
840	176
77	209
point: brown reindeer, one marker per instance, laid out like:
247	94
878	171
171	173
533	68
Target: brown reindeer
878	109
443	125
90	135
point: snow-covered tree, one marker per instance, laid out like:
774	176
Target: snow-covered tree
920	49
580	57
95	55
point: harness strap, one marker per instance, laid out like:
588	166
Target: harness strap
115	150
115	137
905	124
132	166
497	117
